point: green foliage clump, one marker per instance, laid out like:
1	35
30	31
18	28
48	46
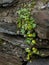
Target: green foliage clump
26	25
1	41
31	52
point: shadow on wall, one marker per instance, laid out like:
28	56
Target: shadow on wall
5	3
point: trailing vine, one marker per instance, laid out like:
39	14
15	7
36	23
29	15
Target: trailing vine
26	25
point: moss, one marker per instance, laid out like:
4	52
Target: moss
1	41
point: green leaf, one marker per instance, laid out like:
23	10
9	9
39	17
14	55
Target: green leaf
32	20
30	35
37	52
33	42
27	50
25	26
18	12
28	32
19	24
22	31
34	35
22	26
34	50
28	40
34	25
28	57
29	27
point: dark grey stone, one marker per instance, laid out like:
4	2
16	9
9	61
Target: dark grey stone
9	28
15	40
39	62
42	21
5	3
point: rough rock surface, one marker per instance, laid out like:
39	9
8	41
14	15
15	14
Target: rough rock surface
42	21
39	62
9	28
10	35
13	47
10	53
7	59
5	3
